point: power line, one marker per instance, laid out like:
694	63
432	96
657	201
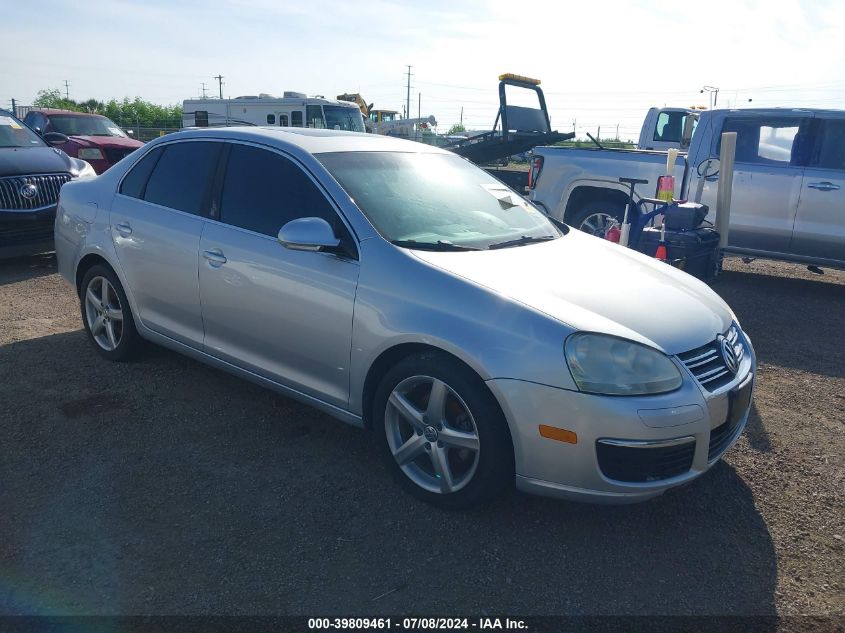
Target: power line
67	90
219	79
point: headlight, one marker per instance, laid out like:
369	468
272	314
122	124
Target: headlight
613	366
90	153
81	169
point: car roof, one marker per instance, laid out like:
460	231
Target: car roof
313	141
49	111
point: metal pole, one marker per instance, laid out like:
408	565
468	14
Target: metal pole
408	97
727	154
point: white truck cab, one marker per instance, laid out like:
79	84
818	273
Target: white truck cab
664	128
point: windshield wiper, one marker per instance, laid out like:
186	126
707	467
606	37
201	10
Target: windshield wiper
525	239
439	245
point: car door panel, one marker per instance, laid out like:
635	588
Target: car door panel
160	265
283	314
766	183
286	315
156	222
820	222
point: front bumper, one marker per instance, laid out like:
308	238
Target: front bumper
684	430
26	232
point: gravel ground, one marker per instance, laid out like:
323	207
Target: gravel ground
166	487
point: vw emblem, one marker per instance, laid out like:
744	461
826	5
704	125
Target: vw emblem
430	433
729	355
29	191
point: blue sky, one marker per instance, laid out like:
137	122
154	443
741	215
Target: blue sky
602	62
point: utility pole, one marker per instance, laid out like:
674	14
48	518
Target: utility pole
204	91
67	90
419	105
462	116
14	107
617	131
408	97
219	79
598	134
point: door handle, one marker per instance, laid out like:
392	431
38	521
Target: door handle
215	257
823	186
124	229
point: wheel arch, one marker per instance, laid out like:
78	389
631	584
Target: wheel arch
582	195
87	263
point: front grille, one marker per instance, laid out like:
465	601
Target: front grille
115	154
20	233
46	193
637	464
707	363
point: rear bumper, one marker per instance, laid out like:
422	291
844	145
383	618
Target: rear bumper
26	232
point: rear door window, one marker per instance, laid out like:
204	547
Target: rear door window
182	177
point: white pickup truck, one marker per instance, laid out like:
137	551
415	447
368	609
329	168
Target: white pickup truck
788	199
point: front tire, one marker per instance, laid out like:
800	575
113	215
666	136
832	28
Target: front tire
442	433
106	314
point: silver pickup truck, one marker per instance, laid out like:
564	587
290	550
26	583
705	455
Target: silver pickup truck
788	198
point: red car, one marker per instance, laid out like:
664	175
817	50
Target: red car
91	137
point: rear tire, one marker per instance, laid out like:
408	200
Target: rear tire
106	314
597	216
442	433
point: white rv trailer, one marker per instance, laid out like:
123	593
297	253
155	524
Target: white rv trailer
293	109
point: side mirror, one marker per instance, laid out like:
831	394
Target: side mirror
308	234
55	138
708	168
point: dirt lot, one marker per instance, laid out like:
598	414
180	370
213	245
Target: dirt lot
166	487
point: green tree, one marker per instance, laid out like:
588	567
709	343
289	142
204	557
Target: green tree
456	129
52	98
126	112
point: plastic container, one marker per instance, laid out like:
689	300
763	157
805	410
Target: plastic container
685	216
692	251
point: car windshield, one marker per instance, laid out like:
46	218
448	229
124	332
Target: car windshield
76	125
13	133
341	118
422	200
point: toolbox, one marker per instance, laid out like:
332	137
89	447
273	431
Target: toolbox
694	252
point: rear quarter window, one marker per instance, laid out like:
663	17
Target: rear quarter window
135	181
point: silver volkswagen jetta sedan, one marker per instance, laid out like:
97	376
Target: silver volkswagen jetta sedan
402	289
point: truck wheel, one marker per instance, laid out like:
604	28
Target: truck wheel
596	217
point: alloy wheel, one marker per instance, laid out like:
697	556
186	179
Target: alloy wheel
432	434
597	223
104	313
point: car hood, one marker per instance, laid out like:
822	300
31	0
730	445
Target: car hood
16	161
106	141
594	285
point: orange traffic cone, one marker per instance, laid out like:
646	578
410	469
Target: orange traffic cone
661	253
